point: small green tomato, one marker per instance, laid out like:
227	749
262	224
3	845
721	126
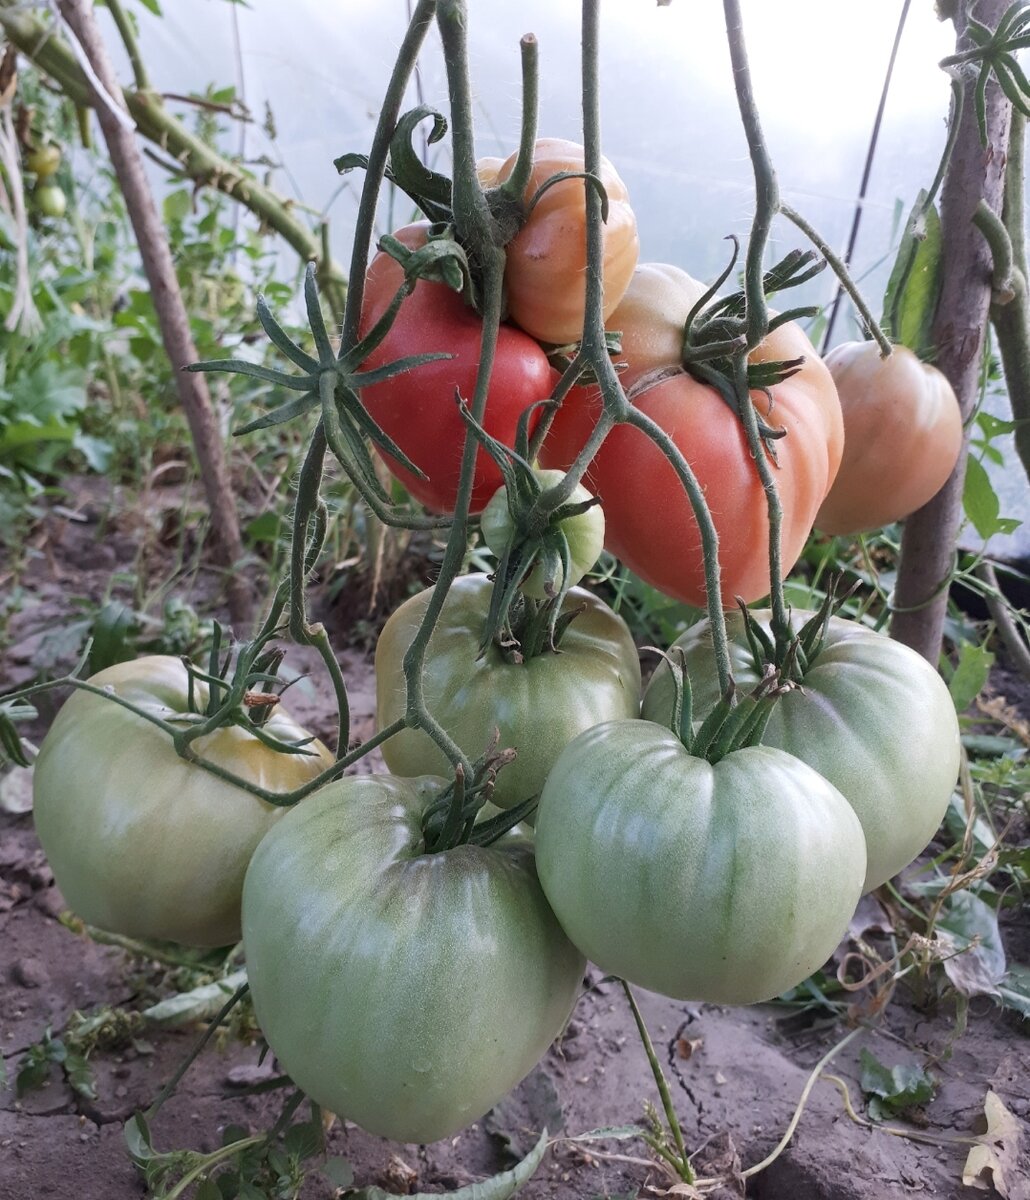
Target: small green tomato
584	533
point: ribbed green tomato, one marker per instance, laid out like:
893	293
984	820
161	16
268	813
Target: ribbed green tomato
406	991
584	533
871	715
140	841
728	883
539	706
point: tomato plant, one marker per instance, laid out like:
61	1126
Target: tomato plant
728	883
538	705
583	531
142	842
636	482
870	714
545	272
903	434
418	409
406	991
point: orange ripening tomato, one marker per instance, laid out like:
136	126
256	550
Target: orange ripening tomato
649	523
418	408
903	431
546	269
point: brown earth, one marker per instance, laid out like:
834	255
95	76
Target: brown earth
736	1074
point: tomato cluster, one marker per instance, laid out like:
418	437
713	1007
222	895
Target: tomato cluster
410	961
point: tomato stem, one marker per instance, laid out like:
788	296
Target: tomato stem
682	1162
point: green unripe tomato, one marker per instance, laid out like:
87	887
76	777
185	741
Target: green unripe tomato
871	715
43	161
584	532
405	991
728	883
538	706
50	200
142	842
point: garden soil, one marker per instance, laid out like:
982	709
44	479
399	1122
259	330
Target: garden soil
736	1075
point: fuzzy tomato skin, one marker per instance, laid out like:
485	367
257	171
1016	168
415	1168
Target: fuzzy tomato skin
903	437
728	884
538	706
872	716
545	274
635	480
142	842
418	409
407	992
584	533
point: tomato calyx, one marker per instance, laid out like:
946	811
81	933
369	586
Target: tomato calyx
715	339
789	655
734	723
244	692
452	819
520	626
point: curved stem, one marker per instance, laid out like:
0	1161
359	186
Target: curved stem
840	269
781	620
128	36
767	194
475	228
514	187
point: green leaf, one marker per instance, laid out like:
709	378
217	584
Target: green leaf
80	1075
981	502
208	1190
33	1073
96	451
967	931
971	674
304	1140
154	7
993	426
497	1187
177	206
338	1171
893	1089
200	1004
137	1138
914	285
111	636
1014	989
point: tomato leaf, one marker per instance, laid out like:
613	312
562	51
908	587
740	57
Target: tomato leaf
911	298
1014	989
967	930
200	1004
981	502
893	1089
971	673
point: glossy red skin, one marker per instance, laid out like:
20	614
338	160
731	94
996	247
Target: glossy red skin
418	409
649	523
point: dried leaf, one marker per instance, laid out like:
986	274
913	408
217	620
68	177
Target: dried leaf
686	1047
16	790
995	1161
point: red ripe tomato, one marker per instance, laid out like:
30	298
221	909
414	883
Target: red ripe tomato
546	261
904	434
650	525
418	409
